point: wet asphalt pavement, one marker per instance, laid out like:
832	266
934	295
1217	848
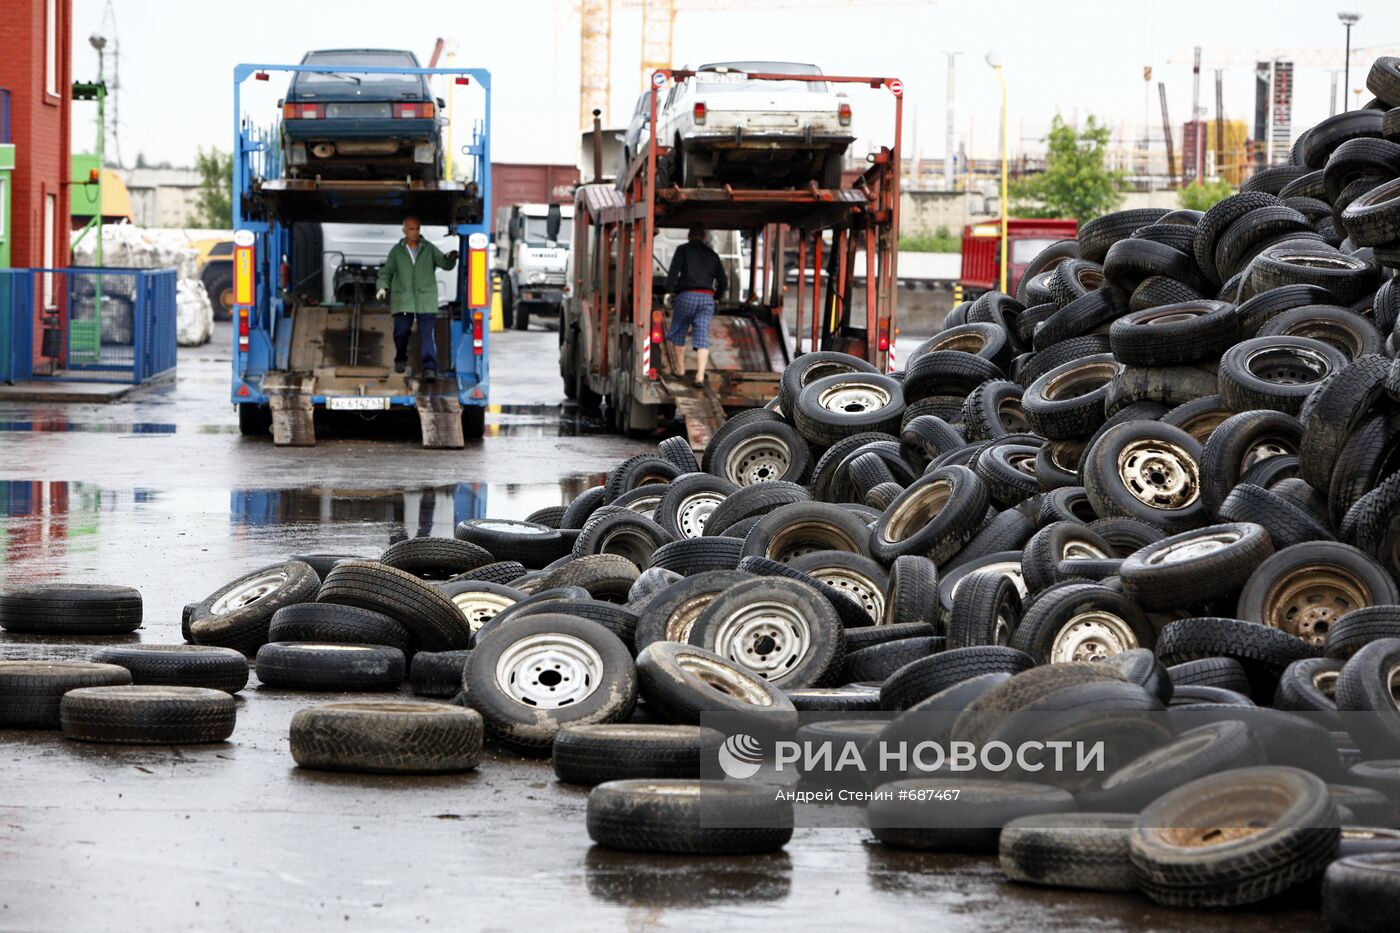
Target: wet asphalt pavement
159	491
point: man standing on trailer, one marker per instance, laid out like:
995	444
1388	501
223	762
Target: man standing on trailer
695	283
409	278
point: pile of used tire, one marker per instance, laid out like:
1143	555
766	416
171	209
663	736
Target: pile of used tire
1164	478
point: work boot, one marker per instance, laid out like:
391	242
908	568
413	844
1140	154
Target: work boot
400	366
430	375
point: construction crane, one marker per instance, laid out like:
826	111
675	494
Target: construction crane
658	35
1301	58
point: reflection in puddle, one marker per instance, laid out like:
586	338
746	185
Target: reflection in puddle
62	425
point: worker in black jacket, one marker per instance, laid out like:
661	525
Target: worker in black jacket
696	281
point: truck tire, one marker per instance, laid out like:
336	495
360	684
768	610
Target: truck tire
521	315
254	420
217	279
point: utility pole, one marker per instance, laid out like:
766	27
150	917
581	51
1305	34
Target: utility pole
1219	124
1332	110
1167	133
1198	154
948	142
1348	20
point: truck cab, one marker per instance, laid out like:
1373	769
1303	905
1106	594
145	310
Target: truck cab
531	259
981	251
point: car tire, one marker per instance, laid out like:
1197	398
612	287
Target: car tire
346	668
589	755
777	629
30	691
688	817
1208	563
434	620
148	715
387	737
238	614
179	665
70	609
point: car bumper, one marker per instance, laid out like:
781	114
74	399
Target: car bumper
742	138
352	128
549	294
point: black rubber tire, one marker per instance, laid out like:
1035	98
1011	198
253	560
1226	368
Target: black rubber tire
1301	689
332	624
1173	334
1052	553
1130	261
584	504
688	817
1058	354
690	556
823	427
434	620
387	737
872	635
1225	673
1045	260
1324	137
1159	576
685	508
989	340
1008	531
605	576
1007	469
1364	685
1360	627
1067	402
877	663
1266	304
521	722
1080	317
435	558
851	698
859	578
306	666
593	754
806	526
1346	277
882	495
934	517
1334	411
666	680
622	533
907	816
670	615
739	456
1373	524
1246	236
438	673
986	610
1157	290
179	665
912	593
1219	219
245	626
1263	652
927	676
30	691
852	611
1360	893
531	544
1238	442
1301	836
550	516
1054	611
1359	573
1126	535
752	502
824	634
70	609
927	437
1195	753
1110	494
1088	851
148	715
946	372
811	366
1097	235
1286	523
640	470
677	450
502	573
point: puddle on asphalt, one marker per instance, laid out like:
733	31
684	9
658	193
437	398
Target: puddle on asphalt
61	425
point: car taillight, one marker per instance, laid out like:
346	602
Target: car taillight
303	111
243	330
657	329
699	112
418	110
843	113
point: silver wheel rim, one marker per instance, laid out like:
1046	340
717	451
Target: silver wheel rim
549	671
259	587
1287	365
479	608
1092	636
723	679
767	638
695	511
1006	569
512	528
857	586
758	459
627	543
646	506
1001	631
854	399
1394	682
1266	447
1159	474
1081	550
1193	548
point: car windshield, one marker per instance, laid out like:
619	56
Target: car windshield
721	82
366	84
536	227
1024	250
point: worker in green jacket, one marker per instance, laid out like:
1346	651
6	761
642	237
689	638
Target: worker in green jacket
409	279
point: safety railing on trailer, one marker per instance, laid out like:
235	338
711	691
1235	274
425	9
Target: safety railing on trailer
87	324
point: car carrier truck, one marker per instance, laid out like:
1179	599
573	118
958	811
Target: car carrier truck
303	345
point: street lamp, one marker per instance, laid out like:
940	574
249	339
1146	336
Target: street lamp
994	60
1348	20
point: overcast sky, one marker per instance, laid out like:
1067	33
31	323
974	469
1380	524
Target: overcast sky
176	58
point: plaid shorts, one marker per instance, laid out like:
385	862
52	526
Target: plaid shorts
691	311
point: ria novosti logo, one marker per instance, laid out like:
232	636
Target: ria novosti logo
740	756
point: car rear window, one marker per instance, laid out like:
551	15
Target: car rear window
346	78
722	85
224	248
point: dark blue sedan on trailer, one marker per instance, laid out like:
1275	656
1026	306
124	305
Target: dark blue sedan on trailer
358	125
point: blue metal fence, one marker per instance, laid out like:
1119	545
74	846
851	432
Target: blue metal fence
94	325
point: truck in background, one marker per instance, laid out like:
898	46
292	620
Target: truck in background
304	342
981	251
531	258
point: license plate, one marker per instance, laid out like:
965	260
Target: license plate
357	403
723	77
346	111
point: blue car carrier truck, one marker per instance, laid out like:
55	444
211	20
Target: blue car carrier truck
309	333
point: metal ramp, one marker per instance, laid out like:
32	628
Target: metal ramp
289	398
700	408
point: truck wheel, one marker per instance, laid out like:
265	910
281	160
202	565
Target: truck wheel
218	282
507	303
254	420
831	171
473	422
522	315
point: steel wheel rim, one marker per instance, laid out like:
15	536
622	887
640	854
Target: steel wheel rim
1081	380
682	618
1006	569
853	399
918	509
1393	681
1194	547
1265	448
1159	474
646	506
1311	599
259	587
722	678
758	459
869	596
1012	415
1081	550
1287	365
694	512
509	527
797	539
478	608
767	638
1325	683
625	542
1092	636
549	671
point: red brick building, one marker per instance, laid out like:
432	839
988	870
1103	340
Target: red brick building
36	67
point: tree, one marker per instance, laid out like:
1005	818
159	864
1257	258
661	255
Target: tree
1076	182
214	205
1203	197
